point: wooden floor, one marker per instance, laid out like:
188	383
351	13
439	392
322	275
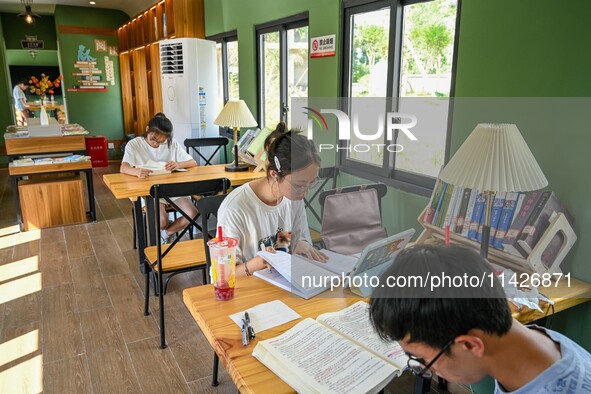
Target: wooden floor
71	312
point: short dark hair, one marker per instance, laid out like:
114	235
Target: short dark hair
435	317
280	145
160	124
24	81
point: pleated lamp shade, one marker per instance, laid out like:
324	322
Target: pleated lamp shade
495	158
235	114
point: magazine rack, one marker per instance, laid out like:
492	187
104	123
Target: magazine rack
533	263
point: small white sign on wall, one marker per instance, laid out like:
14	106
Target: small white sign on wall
323	46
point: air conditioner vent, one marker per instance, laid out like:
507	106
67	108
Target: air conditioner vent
171	58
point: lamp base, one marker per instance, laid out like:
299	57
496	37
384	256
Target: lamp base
236	168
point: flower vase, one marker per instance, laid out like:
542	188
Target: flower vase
44	119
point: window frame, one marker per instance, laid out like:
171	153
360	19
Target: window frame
224	39
281	26
387	173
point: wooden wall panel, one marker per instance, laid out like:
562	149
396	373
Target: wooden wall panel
126	93
141	89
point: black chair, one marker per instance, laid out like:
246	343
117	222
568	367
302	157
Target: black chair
208	206
220	142
178	256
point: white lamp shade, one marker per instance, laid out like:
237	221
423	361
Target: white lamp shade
495	158
235	114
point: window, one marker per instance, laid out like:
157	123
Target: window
228	75
399	57
282	49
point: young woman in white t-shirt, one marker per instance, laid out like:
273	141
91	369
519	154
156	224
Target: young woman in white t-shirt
157	144
269	213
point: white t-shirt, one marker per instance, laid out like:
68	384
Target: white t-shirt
569	375
17	94
245	217
139	152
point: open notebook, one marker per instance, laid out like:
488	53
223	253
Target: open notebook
336	353
291	273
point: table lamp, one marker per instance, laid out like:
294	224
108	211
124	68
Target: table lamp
494	158
235	114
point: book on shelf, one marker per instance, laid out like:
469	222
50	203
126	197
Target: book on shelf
289	270
439	202
479	205
43	160
336	353
456	211
540	220
495	214
522	216
469	213
23	162
432	206
505	219
467	200
442	214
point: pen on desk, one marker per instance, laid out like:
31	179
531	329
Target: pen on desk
244	334
251	333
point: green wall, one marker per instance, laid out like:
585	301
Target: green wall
5	92
15	29
99	112
532	49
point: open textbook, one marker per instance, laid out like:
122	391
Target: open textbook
297	273
339	352
157	167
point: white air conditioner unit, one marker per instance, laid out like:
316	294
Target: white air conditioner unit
188	67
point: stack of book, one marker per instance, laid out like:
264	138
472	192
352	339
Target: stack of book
517	220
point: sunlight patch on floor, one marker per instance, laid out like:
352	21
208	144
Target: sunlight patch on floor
19	268
19	288
19	347
25	377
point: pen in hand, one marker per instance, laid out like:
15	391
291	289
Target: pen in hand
251	333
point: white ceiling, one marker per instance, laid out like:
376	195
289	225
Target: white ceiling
47	7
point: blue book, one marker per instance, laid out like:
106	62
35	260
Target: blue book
505	219
477	215
495	214
439	203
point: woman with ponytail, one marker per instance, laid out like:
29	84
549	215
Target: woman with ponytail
158	145
269	213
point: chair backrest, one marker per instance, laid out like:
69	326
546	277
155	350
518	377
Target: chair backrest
352	217
325	174
219	142
208	206
171	190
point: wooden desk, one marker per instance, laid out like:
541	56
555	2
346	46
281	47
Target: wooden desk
17	145
127	186
249	375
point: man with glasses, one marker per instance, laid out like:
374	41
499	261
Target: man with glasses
464	331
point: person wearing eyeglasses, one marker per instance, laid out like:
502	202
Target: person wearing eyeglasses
158	145
465	332
269	213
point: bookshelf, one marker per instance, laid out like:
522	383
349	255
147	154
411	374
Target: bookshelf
533	263
139	55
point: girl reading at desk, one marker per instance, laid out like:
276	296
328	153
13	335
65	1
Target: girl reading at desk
269	213
157	145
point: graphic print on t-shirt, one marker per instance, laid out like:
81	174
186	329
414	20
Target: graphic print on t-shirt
280	240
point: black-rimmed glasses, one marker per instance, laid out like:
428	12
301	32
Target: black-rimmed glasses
420	367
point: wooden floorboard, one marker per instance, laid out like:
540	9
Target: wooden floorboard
78	291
